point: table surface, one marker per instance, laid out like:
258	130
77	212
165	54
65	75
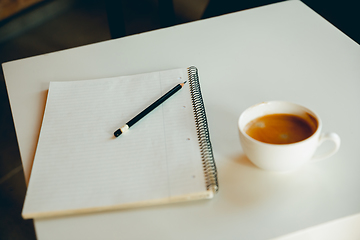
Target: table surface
282	51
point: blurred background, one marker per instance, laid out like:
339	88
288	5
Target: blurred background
33	27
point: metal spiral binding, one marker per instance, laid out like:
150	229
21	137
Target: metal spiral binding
202	131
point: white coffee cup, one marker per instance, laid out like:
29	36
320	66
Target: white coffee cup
283	157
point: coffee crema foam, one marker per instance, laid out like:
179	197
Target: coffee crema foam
281	128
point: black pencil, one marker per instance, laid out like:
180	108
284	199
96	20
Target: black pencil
148	109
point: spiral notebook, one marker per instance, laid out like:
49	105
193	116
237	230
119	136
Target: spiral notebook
80	167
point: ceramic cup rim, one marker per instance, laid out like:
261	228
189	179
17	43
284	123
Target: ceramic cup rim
246	111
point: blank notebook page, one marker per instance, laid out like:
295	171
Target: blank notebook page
80	166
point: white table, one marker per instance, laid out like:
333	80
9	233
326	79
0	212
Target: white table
283	51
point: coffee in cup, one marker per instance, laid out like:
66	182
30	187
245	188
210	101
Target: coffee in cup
281	128
282	136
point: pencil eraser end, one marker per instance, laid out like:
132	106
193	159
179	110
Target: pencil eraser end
117	133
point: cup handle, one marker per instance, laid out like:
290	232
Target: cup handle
331	137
